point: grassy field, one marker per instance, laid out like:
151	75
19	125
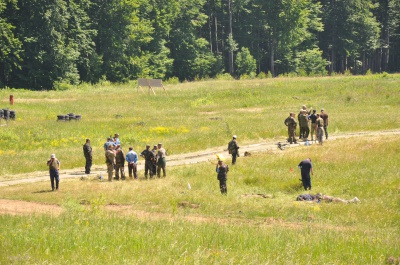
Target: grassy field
143	222
194	116
148	226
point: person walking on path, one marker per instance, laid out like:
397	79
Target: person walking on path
161	160
87	152
233	149
291	123
119	163
132	158
110	161
306	168
325	118
148	155
54	167
222	171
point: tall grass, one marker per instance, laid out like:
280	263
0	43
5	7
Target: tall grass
147	225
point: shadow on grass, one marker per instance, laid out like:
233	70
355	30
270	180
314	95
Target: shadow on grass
43	191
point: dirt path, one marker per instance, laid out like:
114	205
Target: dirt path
183	159
15	207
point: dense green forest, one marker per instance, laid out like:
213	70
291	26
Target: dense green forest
48	42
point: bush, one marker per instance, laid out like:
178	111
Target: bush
245	62
262	75
224	76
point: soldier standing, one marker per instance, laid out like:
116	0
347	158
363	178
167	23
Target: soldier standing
161	160
87	152
132	158
110	161
313	119
291	123
320	129
154	162
304	129
148	155
324	116
222	171
119	163
233	149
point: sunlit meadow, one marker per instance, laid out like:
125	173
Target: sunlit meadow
194	116
162	221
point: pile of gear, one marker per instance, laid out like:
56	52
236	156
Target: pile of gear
69	117
7	114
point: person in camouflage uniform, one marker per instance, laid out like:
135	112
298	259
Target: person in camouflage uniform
320	129
148	155
233	149
222	171
324	117
110	161
303	120
119	163
161	160
87	152
291	123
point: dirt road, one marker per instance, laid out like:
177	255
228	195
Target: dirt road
184	159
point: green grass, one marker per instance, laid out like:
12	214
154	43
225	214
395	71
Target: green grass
225	229
148	226
195	116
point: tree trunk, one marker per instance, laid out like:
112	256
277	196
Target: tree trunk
272	59
231	36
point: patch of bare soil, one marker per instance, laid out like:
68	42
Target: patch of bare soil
13	207
250	109
53	100
208	112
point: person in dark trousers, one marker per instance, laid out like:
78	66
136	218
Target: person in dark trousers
306	168
148	155
87	152
54	168
222	170
233	149
161	160
132	158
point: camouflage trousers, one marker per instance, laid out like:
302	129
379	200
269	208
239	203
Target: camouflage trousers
292	135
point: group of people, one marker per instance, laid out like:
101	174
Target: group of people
319	125
155	159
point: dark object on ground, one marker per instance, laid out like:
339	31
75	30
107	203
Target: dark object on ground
7	114
247	153
281	146
69	117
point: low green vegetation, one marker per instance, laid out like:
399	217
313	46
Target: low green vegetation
194	116
147	222
162	221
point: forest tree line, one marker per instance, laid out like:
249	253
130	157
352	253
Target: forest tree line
45	42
